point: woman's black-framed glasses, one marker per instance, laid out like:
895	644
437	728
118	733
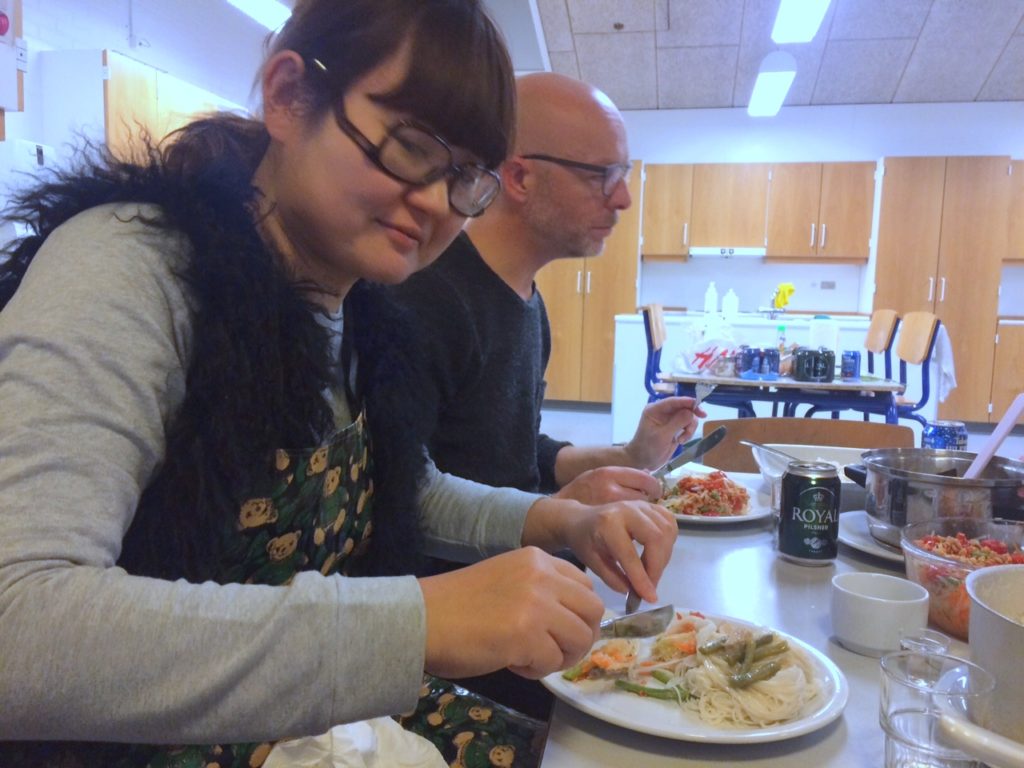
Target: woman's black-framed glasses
413	154
612	174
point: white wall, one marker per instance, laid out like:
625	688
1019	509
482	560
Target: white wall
834	133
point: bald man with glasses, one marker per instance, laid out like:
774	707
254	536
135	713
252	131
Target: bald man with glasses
484	325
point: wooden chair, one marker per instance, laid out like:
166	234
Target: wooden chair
654	329
915	346
730	456
880	336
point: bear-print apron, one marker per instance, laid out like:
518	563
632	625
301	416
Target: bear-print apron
313	511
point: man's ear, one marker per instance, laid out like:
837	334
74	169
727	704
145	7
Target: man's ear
284	94
516	179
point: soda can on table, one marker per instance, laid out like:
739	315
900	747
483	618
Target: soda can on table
809	513
850	365
951	435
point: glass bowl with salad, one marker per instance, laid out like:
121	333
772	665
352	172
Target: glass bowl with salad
939	553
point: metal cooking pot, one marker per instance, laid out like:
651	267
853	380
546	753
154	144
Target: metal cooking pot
908	485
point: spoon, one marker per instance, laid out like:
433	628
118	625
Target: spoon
996	438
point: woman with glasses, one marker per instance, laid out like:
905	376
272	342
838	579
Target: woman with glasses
206	432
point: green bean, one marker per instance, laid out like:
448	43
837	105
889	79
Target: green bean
714	645
662	675
771	650
675	693
762	672
748	656
575	672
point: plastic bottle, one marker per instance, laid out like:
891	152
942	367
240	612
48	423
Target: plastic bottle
711	299
781	339
730	305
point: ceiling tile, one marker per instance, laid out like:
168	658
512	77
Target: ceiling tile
702	23
861	71
1006	83
622	65
554	17
696	77
564	63
944	65
872	19
606	16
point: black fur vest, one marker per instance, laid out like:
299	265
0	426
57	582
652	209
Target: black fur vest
259	366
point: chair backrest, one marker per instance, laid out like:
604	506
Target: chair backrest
880	336
918	333
654	325
917	337
654	329
730	456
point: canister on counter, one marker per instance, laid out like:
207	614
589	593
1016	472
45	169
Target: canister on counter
809	513
951	435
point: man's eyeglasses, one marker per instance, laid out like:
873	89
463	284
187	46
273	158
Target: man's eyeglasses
612	174
411	153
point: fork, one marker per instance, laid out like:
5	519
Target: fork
702	389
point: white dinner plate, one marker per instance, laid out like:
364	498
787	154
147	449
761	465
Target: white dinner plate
853	532
601	699
760	497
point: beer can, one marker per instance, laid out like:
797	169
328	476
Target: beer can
850	365
808	531
951	435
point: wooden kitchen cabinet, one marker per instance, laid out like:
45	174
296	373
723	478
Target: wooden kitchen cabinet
1007	381
111	98
582	297
730	205
820	211
943	233
1015	248
667	193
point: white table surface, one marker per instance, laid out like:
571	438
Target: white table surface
735	571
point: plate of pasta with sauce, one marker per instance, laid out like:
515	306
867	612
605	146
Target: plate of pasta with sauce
707	679
705	496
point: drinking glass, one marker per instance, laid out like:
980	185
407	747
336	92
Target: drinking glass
917	689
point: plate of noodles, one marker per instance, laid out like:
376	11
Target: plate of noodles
707	679
705	496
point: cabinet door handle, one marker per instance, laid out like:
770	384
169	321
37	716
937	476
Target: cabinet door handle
813	225
942	289
686	233
579	280
588	281
824	235
931	288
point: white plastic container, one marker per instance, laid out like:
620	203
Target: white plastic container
730	305
711	298
824	332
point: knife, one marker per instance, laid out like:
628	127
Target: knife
690	451
640	624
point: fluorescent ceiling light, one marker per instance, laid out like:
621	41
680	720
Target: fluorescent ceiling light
773	80
798	20
270	13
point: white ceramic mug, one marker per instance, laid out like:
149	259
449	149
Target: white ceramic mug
872	611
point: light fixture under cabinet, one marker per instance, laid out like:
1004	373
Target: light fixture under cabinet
773	81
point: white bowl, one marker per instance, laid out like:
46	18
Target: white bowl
997	640
852	496
871	611
838	455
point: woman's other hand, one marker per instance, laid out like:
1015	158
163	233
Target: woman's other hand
525	610
607	484
604	537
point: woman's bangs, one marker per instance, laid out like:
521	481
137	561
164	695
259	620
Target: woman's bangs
460	84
